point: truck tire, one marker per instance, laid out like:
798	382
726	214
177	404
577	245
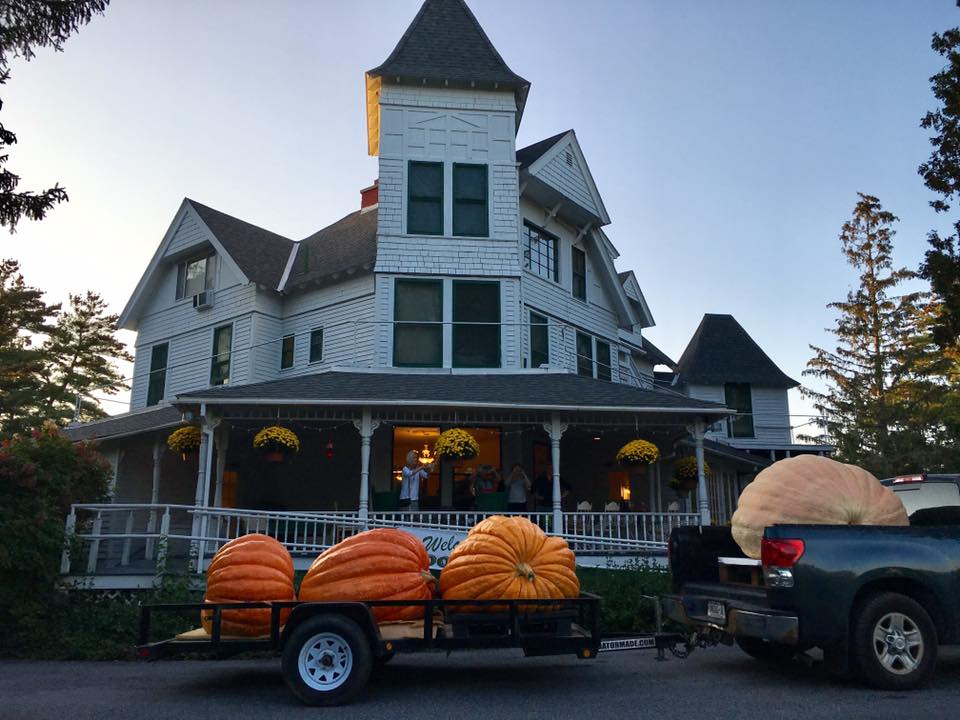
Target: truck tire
766	651
327	660
894	642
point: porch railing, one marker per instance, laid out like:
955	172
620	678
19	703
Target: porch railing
140	538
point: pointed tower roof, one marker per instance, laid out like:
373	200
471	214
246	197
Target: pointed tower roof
446	44
721	351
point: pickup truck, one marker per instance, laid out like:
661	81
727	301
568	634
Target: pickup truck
878	601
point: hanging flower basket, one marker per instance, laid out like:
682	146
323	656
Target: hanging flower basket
456	444
276	443
185	440
685	476
638	452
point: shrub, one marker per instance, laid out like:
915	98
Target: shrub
624	609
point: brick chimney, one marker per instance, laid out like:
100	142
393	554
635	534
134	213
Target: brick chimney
370	196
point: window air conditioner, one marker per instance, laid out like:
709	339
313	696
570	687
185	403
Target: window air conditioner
202	301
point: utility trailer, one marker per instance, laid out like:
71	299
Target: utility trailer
328	649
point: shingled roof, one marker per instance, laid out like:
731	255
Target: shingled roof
445	43
131	423
260	254
531	153
721	351
656	354
530	390
349	244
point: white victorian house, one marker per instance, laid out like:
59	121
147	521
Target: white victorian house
475	286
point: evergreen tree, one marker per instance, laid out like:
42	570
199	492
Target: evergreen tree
941	173
863	411
24	26
24	321
80	353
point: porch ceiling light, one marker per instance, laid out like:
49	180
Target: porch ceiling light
425	457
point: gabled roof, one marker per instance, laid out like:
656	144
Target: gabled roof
531	153
261	255
529	390
721	351
446	44
347	245
656	355
631	287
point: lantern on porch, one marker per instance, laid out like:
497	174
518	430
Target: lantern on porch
638	452
685	475
276	443
185	440
456	444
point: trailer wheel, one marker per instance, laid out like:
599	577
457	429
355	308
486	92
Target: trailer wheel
766	651
327	660
894	642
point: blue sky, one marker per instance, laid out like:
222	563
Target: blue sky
728	139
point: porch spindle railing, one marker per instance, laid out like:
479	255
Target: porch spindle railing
122	538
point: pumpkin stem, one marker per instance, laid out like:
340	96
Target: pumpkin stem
524	570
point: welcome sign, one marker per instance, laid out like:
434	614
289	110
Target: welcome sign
439	543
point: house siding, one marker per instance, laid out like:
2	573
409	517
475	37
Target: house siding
190	234
568	179
447	126
771	416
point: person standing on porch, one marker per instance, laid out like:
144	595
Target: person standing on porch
413	473
518	487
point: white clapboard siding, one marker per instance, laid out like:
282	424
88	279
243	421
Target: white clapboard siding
191	234
564	173
771	415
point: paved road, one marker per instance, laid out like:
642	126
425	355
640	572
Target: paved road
716	683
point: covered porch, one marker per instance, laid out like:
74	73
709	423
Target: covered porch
355	428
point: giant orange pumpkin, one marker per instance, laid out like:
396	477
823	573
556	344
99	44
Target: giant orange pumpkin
812	490
381	564
247	569
509	558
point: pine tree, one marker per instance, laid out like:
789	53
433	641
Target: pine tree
24	321
24	26
863	411
80	360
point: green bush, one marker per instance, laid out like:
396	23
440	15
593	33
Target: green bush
622	590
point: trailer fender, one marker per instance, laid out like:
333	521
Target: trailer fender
356	611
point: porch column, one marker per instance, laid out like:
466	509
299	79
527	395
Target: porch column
154	496
114	458
366	425
703	496
651	480
201	478
222	444
555	429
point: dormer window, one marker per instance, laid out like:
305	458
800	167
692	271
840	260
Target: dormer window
196	275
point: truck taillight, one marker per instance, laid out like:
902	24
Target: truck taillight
778	558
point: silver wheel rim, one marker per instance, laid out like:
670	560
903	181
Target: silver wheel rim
325	661
898	643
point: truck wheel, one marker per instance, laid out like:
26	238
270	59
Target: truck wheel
765	650
894	642
327	660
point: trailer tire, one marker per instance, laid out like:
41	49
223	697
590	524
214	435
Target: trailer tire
766	651
894	642
327	660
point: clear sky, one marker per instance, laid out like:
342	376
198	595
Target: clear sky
728	139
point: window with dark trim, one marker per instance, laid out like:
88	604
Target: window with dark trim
196	275
737	396
316	345
157	383
584	354
470	215
425	198
539	340
603	361
220	361
476	324
418	323
287	346
540	252
578	266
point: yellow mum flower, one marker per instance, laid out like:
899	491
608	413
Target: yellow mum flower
276	439
456	444
638	452
185	439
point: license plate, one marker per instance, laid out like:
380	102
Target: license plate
716	610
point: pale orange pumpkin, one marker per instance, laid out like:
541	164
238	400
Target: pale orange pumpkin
509	558
247	569
812	490
381	564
